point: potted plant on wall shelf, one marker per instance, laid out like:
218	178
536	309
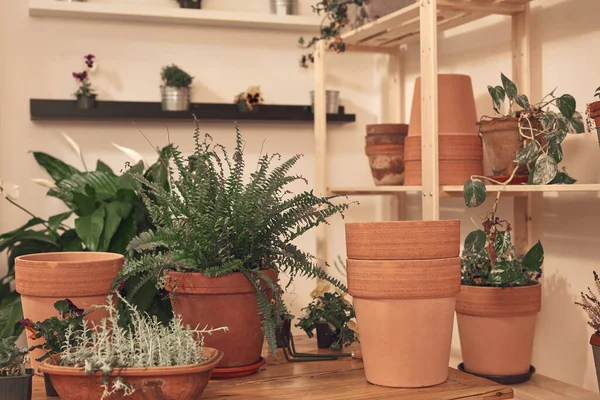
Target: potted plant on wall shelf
144	360
591	304
190	3
15	379
175	88
593	111
333	317
221	244
86	96
249	100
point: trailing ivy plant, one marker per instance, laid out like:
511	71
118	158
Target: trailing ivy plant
543	127
12	357
174	76
591	304
213	223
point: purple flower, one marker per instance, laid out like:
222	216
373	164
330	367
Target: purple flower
26	322
81	76
89	60
73	308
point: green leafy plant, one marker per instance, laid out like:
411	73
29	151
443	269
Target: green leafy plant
12	357
174	76
543	127
333	309
335	18
590	303
146	343
597	93
212	223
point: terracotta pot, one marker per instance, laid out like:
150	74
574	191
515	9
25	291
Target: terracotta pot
595	342
456	111
385	150
460	156
404	298
402	240
229	301
502	142
164	383
594	112
83	277
496	328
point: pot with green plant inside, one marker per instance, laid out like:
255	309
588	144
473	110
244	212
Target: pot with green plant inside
197	4
175	88
591	305
249	100
528	136
86	96
15	379
332	316
143	360
220	244
593	111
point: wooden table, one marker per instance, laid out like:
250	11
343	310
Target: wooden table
345	379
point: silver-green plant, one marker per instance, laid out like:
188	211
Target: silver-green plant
146	343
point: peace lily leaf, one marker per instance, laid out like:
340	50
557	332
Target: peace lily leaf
84	205
10	315
523	101
474	193
576	122
57	169
475	241
32	222
528	153
555	151
102	167
498	96
509	87
70	241
20	236
503	243
545	170
55	220
115	213
566	104
534	257
89	228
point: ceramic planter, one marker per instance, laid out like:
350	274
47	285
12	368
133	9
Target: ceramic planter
83	277
456	111
460	157
165	383
229	301
385	150
496	328
325	335
197	4
86	102
332	101
283	7
175	98
404	278
16	387
595	342
502	142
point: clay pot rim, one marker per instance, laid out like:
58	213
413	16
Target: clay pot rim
514	288
214	356
43	259
595	339
450	74
406	223
232	283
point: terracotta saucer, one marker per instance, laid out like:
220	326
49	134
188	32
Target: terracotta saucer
236	372
503	380
517	180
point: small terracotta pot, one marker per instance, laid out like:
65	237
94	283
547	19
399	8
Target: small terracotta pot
404	298
595	342
460	157
496	328
83	277
402	240
502	142
229	301
385	150
456	111
165	383
594	112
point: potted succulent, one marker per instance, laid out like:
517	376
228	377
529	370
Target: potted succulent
53	332
523	141
249	100
175	88
333	317
86	96
591	304
15	379
190	3
221	244
144	360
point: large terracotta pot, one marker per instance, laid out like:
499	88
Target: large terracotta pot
164	383
456	111
496	328
404	285
385	150
83	277
229	301
460	157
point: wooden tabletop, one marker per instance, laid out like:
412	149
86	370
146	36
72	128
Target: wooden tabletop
345	379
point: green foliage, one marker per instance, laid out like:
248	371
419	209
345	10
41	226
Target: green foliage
12	358
597	93
174	76
213	223
488	258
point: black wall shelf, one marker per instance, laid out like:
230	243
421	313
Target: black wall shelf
41	109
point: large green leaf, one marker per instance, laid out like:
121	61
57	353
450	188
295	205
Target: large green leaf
534	257
104	184
115	213
126	231
503	243
498	96
577	123
57	169
42	236
89	228
545	170
102	167
84	204
474	193
475	241
509	87
523	101
503	273
555	151
70	241
529	153
32	222
55	220
10	315
567	105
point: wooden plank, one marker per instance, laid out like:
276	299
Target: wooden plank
488	8
456	190
523	224
372	190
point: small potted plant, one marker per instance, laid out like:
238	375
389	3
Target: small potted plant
175	89
249	100
15	379
190	4
143	360
591	304
86	96
593	111
332	315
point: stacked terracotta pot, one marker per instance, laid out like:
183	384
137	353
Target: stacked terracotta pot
404	278
385	150
459	147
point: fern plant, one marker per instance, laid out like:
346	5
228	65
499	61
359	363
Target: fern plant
213	223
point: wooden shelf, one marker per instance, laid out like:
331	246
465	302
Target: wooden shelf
175	15
403	26
457	190
132	110
372	190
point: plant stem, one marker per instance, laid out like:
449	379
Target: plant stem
30	213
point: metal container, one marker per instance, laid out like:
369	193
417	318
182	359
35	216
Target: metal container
86	102
175	98
283	7
332	98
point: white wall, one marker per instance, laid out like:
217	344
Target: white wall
38	56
